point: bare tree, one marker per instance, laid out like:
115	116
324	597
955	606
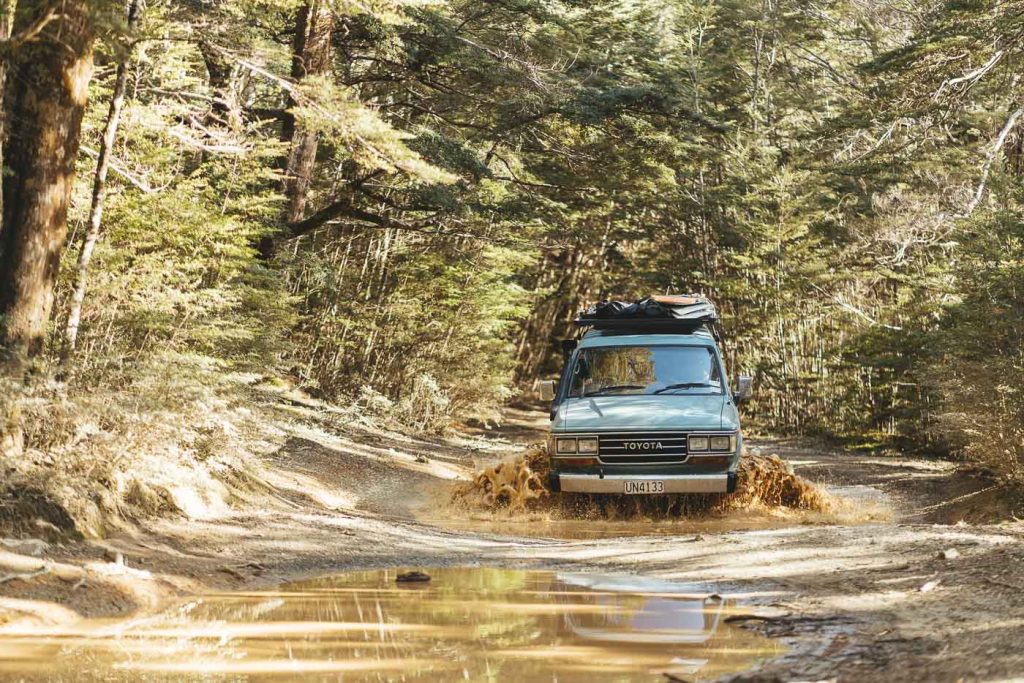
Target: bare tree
99	185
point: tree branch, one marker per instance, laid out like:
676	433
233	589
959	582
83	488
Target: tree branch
846	305
30	32
513	178
970	78
979	191
121	171
334	210
423	227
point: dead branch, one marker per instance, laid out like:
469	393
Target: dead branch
856	311
997	147
971	77
123	172
936	233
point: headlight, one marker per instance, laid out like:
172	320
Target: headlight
697	443
587	444
723	443
565	445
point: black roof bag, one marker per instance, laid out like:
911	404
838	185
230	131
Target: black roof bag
688	310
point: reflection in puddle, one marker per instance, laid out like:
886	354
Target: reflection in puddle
466	624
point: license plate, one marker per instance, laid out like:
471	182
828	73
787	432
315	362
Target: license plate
644	487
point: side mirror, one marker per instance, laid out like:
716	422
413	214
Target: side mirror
547	390
744	388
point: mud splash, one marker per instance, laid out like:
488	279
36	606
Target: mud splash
518	483
764	483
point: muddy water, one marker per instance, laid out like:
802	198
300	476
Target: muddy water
545	525
465	624
851	505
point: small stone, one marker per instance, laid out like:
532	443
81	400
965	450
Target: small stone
412	577
930	586
113	556
949	554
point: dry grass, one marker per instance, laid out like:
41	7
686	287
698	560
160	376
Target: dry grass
982	416
172	437
764	482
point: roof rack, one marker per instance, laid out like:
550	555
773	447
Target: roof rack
651	324
666	314
692	309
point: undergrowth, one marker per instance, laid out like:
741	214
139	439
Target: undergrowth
174	435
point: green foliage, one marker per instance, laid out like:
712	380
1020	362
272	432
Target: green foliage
978	353
446	318
175	267
834	174
341	119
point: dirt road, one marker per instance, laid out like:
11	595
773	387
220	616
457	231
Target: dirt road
896	587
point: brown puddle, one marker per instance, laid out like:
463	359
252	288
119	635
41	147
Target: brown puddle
465	624
544	524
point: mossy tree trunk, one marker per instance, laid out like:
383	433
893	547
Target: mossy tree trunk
46	98
311	56
7	8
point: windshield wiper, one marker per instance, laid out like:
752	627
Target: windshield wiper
614	387
683	385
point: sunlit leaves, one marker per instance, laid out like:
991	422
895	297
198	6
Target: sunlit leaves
337	113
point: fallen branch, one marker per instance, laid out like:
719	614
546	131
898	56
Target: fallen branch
788	618
754	617
45	569
944	503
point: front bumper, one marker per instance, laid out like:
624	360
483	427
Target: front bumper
615	483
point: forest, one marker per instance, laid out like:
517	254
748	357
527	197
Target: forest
400	205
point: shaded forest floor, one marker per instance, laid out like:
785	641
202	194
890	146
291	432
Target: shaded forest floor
911	581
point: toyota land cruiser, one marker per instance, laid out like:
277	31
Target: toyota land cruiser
644	405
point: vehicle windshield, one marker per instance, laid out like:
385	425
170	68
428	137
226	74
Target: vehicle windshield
618	370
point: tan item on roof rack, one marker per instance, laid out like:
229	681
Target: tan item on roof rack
676	299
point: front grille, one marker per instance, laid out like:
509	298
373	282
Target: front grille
642	448
641	459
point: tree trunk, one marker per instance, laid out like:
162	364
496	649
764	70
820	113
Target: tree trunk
99	185
226	110
311	56
48	90
7	8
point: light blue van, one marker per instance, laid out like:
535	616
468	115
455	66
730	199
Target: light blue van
645	408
